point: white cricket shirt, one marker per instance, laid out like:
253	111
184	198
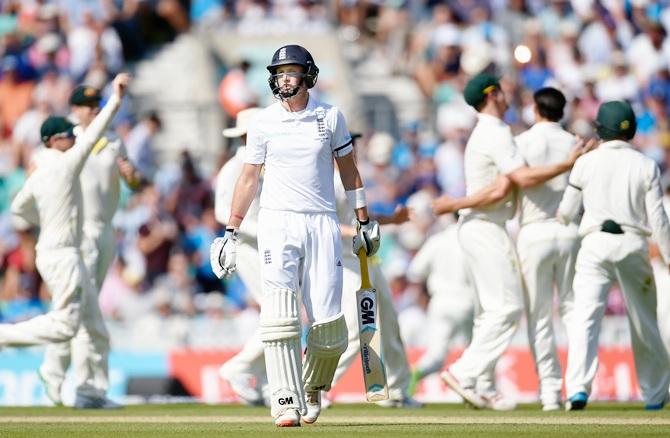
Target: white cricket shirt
54	188
441	264
223	194
619	183
100	185
490	151
544	143
297	149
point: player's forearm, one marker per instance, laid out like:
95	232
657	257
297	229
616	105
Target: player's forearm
489	195
569	206
353	185
658	220
24	211
526	176
245	192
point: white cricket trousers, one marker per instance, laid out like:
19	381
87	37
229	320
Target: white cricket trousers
89	349
491	258
450	313
395	358
604	258
547	251
64	273
302	252
250	360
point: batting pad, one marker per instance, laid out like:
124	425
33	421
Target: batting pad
280	333
326	341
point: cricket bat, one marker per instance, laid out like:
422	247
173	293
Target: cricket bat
369	326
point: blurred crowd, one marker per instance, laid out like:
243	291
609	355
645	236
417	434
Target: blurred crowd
591	50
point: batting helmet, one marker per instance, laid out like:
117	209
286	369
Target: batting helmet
293	54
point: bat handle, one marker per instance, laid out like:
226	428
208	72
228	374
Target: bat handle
365	276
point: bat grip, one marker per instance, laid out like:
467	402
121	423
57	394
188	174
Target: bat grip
365	276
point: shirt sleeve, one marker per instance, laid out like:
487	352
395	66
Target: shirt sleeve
341	142
256	146
77	154
658	218
572	197
506	155
23	208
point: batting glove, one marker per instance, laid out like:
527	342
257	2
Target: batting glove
222	254
367	237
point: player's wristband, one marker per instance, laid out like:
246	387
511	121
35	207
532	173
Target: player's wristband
356	198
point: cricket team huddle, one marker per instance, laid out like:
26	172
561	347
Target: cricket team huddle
298	233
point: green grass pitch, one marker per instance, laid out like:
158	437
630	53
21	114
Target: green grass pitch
363	420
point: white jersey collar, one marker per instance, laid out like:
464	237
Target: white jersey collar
616	144
546	124
487	118
312	104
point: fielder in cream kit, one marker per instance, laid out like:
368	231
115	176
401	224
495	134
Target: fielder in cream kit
620	191
89	349
452	298
299	240
52	198
492	164
547	249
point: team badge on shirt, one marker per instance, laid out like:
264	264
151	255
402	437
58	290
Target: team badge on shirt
321	123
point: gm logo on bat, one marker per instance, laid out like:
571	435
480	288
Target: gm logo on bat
367	309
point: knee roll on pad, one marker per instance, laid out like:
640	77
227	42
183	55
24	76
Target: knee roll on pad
326	341
280	333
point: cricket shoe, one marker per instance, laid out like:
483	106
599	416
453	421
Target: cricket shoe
406	402
88	402
469	395
241	385
498	402
52	390
550	407
290	418
313	402
577	402
657	406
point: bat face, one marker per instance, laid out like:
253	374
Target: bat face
374	373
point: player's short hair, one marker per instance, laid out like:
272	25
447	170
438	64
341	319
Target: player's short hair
550	103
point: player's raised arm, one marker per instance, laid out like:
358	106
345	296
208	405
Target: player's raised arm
79	152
